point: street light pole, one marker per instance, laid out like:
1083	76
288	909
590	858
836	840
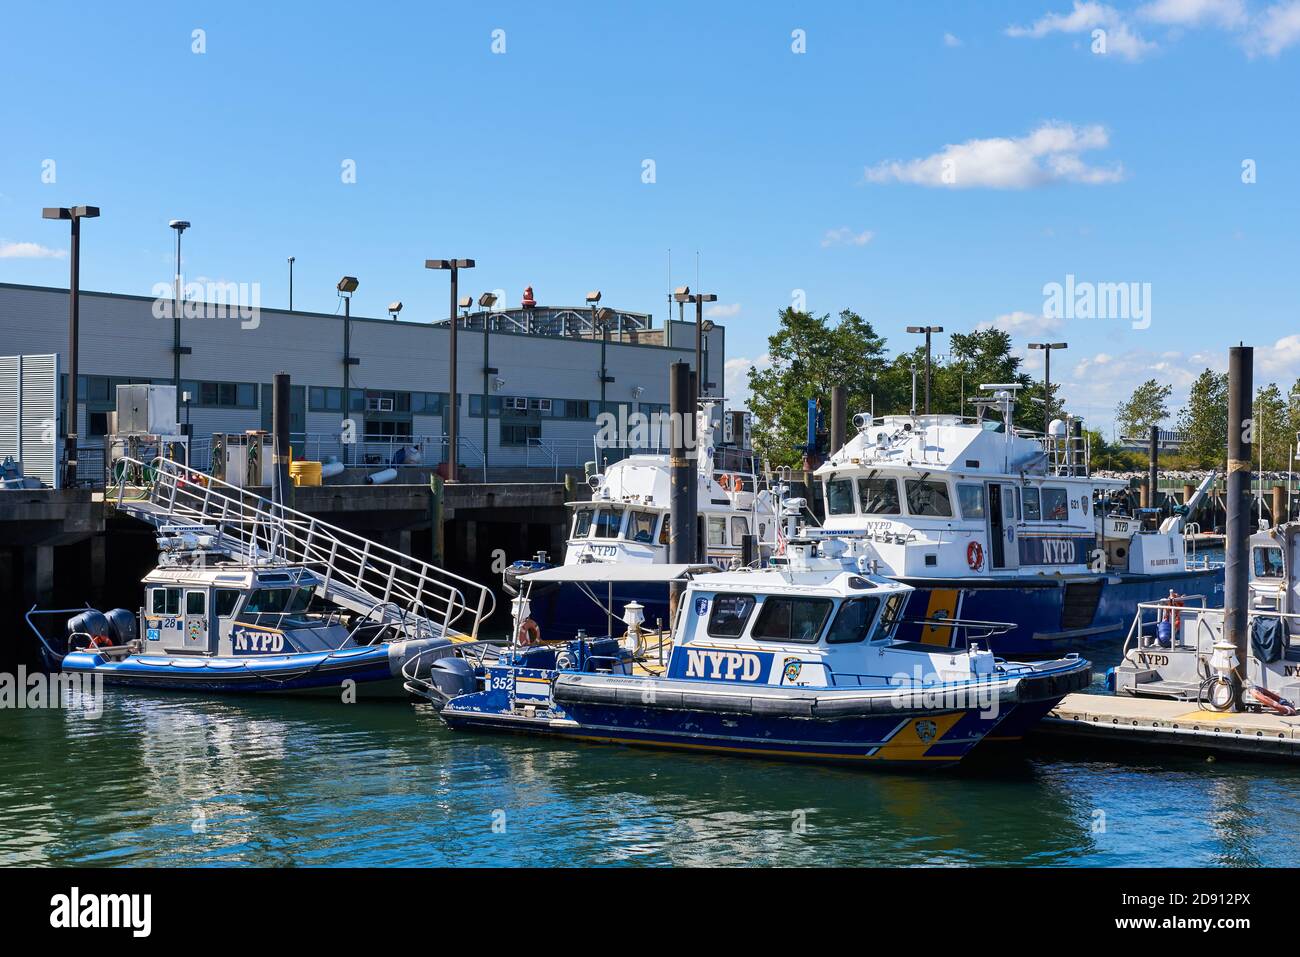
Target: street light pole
486	302
927	330
180	226
1047	348
291	259
346	287
75	214
453	266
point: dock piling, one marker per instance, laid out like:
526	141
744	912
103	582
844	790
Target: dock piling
1236	594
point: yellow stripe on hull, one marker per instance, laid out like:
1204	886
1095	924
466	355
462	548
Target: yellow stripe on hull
943	604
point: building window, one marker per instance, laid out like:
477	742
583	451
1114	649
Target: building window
325	399
97	423
227	395
519	434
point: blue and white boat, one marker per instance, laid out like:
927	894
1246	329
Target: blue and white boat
985	520
798	661
251	597
626	523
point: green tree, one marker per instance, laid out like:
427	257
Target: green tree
1204	419
1147	406
1272	434
810	354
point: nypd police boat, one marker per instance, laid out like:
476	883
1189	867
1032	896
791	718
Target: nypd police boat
985	520
799	660
250	596
626	523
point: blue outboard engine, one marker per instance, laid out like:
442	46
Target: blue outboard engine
121	626
452	677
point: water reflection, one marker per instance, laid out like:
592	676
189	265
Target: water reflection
172	779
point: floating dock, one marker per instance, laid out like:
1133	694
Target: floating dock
1172	724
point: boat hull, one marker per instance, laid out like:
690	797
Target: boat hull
881	727
1049	615
370	672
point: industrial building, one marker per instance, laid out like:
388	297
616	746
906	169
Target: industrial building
543	374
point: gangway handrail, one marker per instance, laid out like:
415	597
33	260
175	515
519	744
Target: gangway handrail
267	533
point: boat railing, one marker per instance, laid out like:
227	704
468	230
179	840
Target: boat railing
353	570
1144	629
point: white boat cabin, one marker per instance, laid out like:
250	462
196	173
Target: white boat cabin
941	496
812	621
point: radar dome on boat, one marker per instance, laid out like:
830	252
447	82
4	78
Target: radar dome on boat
1056	429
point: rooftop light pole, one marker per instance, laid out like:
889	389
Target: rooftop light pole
927	331
346	287
75	214
453	266
291	259
1047	348
684	295
180	225
486	302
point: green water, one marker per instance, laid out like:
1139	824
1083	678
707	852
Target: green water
174	779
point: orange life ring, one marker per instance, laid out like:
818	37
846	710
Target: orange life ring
529	633
975	556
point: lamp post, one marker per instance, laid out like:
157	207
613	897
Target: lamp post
927	331
291	258
1047	348
180	225
346	287
75	214
707	326
685	295
486	302
453	266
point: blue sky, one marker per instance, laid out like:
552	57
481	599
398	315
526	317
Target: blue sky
819	171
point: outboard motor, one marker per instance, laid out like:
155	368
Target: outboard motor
452	677
121	626
89	622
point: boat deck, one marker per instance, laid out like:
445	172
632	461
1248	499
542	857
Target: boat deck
1172	724
654	658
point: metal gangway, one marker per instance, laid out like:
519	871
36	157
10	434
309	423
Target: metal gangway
356	573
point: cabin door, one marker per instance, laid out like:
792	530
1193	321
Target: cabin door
1002	526
196	621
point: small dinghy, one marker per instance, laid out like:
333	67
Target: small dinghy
796	661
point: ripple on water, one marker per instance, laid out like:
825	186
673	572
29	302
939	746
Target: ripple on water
177	780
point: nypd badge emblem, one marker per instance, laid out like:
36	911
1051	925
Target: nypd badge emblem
925	730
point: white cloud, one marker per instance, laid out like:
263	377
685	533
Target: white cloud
723	310
1048	154
1280	361
29	251
846	237
1275	30
735	379
1022	323
951	41
1121	38
1192	13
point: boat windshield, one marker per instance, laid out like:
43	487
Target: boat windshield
853	621
879	496
287	604
641	527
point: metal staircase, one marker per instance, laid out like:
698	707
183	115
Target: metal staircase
357	574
